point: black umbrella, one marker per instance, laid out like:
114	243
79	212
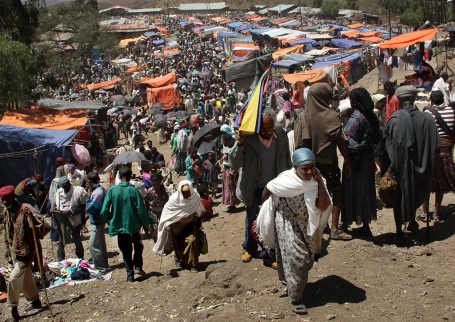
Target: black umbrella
211	128
181	114
160	123
170	114
128	157
158	105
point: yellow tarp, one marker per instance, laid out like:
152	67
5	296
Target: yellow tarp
289	50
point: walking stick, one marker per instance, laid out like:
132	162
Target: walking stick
40	265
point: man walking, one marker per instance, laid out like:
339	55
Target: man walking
259	158
97	241
125	211
21	248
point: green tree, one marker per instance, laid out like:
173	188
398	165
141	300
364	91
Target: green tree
18	21
330	8
412	17
317	3
17	73
352	4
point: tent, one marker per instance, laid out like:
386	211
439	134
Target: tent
49	145
289	50
351	61
298	57
313	76
307	41
345	43
246	74
166	94
43	121
158	42
160	81
104	85
409	39
284	63
356	26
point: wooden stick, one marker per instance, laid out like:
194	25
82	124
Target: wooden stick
40	264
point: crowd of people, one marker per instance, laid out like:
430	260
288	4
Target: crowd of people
292	163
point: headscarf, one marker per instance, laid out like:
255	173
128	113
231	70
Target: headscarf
7	192
227	129
303	156
182	140
376	98
366	106
323	123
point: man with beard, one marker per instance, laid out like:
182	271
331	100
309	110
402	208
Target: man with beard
259	158
21	248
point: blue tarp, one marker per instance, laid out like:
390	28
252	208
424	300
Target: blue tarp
244	27
151	34
356	72
220	37
15	139
260	31
158	42
345	43
306	41
342	28
284	63
234	24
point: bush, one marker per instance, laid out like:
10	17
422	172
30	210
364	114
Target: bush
330	8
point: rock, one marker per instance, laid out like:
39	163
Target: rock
330	317
428	280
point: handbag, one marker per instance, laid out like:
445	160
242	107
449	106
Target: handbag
204	246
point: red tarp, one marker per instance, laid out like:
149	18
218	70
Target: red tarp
104	85
160	81
166	94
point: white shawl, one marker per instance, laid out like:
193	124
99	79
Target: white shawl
182	141
174	210
287	184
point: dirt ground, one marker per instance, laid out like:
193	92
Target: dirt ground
363	280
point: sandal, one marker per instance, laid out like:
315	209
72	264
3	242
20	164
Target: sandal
340	235
299	309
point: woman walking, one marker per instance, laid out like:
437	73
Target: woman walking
362	131
299	197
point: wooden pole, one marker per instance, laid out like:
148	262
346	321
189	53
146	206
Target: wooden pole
40	264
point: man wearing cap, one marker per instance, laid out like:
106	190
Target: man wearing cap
442	84
69	206
97	241
21	248
411	140
125	211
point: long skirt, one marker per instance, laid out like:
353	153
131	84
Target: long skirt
359	189
230	178
295	249
186	242
443	173
180	166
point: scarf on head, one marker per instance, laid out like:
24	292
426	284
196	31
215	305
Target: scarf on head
365	105
322	121
177	208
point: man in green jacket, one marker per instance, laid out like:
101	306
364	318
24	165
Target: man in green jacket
125	211
259	158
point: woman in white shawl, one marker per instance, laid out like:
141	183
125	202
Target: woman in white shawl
179	226
180	151
299	197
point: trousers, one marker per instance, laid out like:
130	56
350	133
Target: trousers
97	247
125	244
76	236
21	280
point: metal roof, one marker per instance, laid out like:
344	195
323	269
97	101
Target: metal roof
145	10
207	6
282	8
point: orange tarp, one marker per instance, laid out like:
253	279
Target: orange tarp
355	26
160	81
43	121
162	30
170	51
288	50
253	17
409	39
166	94
104	85
288	40
371	39
245	45
136	68
313	76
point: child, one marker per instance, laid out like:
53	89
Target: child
206	201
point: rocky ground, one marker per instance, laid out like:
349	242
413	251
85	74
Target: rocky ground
371	279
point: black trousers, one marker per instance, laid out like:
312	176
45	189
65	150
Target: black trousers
126	243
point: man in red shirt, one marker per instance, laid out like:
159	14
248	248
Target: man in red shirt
392	102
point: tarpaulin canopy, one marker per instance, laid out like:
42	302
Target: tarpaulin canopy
246	74
43	121
160	81
50	144
171	52
158	42
334	59
409	39
355	25
104	85
151	34
313	76
234	24
298	57
373	40
167	94
345	43
134	69
289	50
70	105
354	69
284	63
306	41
